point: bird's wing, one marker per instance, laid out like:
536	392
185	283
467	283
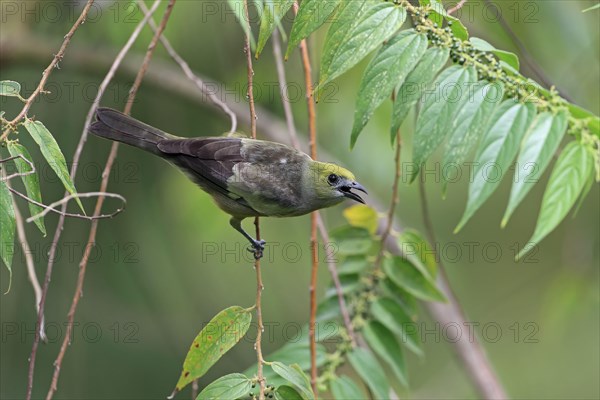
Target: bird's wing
210	160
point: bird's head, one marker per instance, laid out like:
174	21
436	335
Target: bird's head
334	182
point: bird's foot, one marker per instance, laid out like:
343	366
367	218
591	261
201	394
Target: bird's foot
257	247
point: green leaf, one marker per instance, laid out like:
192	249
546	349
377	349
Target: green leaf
362	216
31	181
359	27
404	299
437	15
10	89
537	150
298	353
439	113
52	153
344	388
404	274
238	9
367	367
506	56
311	15
215	339
7	229
418	250
387	70
294	375
567	181
350	240
285	392
382	341
457	27
228	387
353	265
273	11
295	351
496	152
473	119
586	189
513	72
416	83
393	317
594	7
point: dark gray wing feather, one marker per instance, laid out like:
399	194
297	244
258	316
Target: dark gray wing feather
208	160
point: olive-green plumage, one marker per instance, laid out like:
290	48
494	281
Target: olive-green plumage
245	177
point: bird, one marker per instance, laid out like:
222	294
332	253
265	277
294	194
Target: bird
245	177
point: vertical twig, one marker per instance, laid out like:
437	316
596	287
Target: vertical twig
259	284
105	177
260	327
312	130
195	389
289	118
250	93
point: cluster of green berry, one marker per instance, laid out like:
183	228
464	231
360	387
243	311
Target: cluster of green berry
488	66
269	392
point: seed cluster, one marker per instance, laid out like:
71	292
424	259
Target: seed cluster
490	68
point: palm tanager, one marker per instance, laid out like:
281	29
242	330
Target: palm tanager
245	177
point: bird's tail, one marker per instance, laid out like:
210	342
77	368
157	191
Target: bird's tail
114	125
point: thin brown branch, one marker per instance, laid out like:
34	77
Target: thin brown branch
250	92
289	118
457	7
11	176
35	284
59	228
312	133
50	207
470	352
259	284
190	74
104	184
46	74
195	389
259	318
314	271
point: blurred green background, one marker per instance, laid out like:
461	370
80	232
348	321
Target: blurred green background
153	282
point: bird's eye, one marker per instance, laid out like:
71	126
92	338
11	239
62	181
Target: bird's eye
333	178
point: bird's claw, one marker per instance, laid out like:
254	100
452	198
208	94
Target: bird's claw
257	247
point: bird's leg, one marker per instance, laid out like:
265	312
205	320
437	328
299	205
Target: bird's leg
257	245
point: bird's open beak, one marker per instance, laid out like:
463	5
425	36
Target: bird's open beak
347	191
